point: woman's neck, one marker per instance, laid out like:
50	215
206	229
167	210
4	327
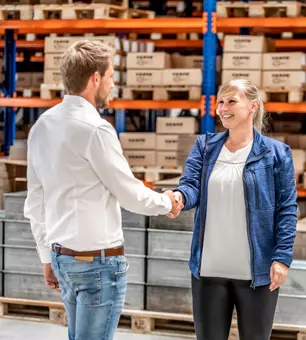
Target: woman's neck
239	138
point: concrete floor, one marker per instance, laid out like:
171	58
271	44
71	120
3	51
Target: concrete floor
21	330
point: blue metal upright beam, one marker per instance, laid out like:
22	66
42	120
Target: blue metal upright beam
209	66
10	88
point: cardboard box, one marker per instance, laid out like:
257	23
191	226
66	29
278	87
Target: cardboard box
149	61
24	80
299	158
182	76
138	141
287	126
284	61
242	61
52	61
180	61
296	141
167	142
247	43
176	125
140	158
253	76
52	77
166	158
144	77
37	79
283	79
61	44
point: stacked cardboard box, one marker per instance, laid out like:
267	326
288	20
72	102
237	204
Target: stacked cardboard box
56	46
146	69
29	81
139	148
169	130
284	71
242	57
151	74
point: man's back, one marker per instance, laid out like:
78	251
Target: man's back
78	206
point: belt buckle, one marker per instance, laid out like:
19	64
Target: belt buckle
57	248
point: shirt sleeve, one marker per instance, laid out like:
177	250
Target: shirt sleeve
34	209
105	154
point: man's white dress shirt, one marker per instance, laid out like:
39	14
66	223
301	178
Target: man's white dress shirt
77	180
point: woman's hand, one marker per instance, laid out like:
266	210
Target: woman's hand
278	275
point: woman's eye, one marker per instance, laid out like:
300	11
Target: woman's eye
221	102
232	101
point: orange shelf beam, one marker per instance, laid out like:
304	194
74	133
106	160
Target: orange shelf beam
115	104
145	104
301	193
165	25
162	25
288	24
35	44
285	107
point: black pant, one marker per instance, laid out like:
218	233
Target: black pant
213	303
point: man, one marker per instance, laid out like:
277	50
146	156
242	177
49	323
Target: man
77	181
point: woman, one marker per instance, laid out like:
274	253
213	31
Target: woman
242	185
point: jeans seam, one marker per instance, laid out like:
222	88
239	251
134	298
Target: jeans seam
111	312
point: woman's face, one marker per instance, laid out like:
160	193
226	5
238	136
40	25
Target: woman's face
235	111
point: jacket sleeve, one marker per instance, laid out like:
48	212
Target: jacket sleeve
190	183
286	211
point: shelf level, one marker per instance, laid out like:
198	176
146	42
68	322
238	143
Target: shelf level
147	104
115	104
280	44
162	25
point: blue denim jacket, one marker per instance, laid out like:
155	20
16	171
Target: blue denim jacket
270	199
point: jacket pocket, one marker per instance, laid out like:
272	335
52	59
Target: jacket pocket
263	188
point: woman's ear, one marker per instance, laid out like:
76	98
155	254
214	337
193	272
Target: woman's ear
255	105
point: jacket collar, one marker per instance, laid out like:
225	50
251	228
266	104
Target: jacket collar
258	147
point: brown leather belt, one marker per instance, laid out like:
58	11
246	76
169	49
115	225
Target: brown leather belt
96	253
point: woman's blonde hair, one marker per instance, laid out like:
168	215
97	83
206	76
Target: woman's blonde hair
250	91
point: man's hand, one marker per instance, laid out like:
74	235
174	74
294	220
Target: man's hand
278	274
50	279
177	203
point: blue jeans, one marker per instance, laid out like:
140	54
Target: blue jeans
93	294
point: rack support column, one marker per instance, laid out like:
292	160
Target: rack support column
209	74
10	87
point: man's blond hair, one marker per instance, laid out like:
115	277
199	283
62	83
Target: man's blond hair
80	61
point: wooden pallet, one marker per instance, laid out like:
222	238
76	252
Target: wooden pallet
226	9
162	93
279	332
29	92
51	91
122	3
16	12
140	13
283	95
154	174
79	11
157	323
32	310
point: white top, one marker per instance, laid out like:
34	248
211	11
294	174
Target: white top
226	251
77	180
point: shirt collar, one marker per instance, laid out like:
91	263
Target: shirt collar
80	101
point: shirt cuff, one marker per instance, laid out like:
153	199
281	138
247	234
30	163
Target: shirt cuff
44	254
167	202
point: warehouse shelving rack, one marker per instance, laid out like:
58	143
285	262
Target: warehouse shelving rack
209	25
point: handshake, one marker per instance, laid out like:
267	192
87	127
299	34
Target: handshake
177	203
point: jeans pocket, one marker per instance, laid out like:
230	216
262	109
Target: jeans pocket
122	266
87	286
